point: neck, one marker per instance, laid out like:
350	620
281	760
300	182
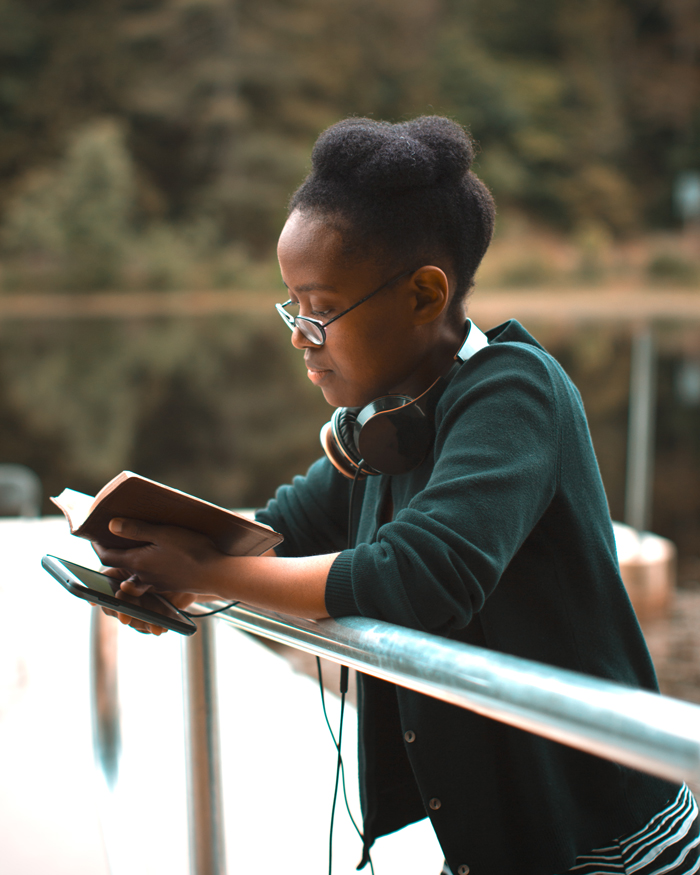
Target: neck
434	363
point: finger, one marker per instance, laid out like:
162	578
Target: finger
133	586
181	600
137	625
111	557
147	628
135	530
117	573
141	625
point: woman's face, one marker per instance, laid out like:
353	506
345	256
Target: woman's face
374	350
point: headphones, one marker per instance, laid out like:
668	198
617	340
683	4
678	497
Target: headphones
393	434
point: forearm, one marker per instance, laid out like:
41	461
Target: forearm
180	561
289	585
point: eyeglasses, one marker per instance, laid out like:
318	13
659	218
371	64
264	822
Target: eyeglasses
313	329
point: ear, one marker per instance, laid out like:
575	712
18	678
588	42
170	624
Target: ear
431	294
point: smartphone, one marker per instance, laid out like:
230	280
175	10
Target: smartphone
93	586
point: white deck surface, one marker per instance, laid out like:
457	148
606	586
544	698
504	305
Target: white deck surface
278	759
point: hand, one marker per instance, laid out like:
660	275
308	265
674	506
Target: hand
131	587
174	560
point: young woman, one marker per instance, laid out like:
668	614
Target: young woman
489	524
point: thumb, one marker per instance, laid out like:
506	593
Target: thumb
135	530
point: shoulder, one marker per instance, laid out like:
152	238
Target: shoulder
514	367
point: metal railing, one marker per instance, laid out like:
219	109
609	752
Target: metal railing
644	730
640	431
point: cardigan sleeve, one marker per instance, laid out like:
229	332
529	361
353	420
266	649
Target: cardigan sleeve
311	513
495	470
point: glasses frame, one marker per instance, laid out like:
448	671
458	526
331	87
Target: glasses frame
293	321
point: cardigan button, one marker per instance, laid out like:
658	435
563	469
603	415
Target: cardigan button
463	869
435	803
409	736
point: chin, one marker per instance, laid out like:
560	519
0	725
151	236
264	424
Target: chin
343	399
334	400
339	393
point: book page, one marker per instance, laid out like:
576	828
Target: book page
75	505
136	497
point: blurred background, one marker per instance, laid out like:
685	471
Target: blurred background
147	152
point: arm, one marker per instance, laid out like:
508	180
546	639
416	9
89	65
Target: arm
180	561
312	516
492	475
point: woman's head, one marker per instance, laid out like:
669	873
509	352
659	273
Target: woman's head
402	195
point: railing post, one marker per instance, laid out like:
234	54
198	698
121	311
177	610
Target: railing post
104	698
640	434
205	804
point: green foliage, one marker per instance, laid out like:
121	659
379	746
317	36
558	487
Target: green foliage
217	406
558	95
527	273
585	111
667	267
79	213
75	226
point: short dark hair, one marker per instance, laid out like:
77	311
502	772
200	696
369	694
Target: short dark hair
404	192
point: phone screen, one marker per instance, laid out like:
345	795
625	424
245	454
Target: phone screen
93	579
157	608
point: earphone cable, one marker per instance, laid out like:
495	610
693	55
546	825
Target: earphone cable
207	613
335	787
352	502
340	764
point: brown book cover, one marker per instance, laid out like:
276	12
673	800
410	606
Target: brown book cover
136	497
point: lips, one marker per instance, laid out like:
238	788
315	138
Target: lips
315	376
315	372
313	364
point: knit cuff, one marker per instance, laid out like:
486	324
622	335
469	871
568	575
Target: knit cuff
340	601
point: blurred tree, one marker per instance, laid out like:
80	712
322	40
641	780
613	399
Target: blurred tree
585	109
230	96
218	406
60	65
221	99
80	213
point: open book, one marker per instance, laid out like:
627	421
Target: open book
136	497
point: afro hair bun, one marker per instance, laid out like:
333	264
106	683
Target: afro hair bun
372	155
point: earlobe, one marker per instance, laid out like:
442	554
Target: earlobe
431	293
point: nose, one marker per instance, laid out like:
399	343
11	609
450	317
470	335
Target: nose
300	341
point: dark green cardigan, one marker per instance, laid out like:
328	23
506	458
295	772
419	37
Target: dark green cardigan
502	539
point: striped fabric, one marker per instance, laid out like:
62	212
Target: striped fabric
668	845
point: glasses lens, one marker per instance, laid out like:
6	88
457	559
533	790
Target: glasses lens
311	331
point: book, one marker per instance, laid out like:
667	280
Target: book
135	497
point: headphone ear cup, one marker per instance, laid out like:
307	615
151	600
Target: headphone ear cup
338	442
343	425
393	434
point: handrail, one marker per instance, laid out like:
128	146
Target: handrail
619	304
640	729
644	730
